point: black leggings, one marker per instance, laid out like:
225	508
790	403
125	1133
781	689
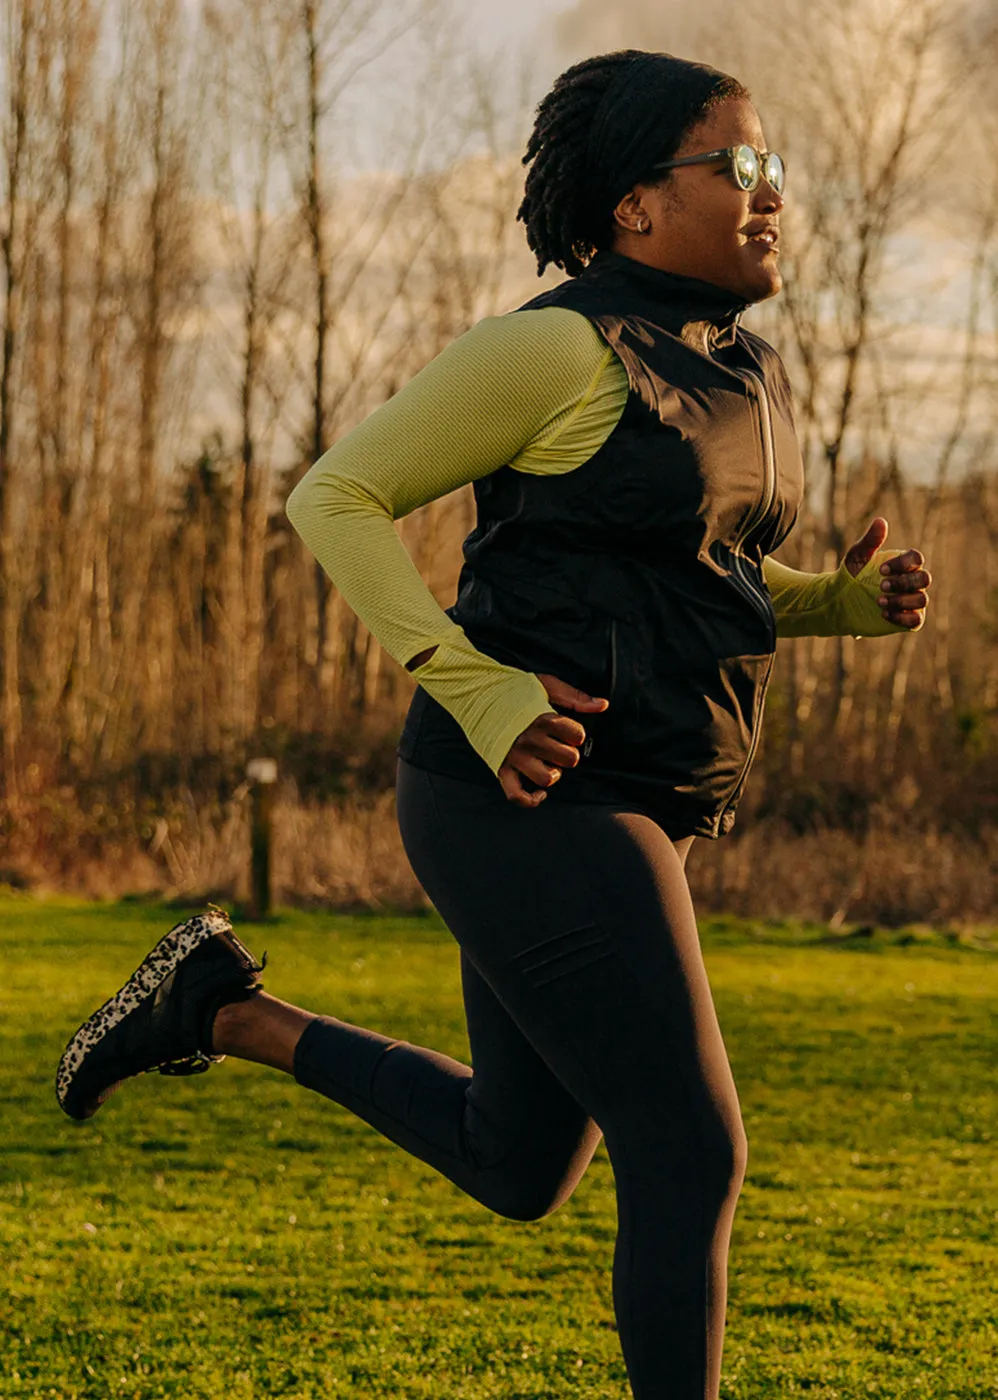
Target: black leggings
587	1004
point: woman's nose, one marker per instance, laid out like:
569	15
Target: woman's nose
766	198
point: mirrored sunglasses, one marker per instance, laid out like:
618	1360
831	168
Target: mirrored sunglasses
748	166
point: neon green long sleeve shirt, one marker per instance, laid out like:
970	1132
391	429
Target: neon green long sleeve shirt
539	391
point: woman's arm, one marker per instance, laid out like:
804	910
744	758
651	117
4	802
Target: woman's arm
875	592
508	386
833	604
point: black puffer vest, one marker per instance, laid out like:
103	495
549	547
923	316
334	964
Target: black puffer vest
638	575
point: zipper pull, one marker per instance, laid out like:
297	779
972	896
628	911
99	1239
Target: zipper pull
587	747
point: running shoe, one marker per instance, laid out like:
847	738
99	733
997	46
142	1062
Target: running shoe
161	1018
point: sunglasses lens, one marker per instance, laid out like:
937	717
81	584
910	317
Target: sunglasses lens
775	171
746	167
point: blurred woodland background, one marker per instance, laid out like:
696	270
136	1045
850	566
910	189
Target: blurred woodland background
229	230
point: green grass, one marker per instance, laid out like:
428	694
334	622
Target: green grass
233	1235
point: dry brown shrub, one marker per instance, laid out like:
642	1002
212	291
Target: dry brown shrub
886	876
345	855
348	854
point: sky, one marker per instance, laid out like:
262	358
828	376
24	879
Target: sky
555	33
513	19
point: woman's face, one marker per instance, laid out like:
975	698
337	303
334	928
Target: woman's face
698	222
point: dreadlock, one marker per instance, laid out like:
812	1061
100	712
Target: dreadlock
602	126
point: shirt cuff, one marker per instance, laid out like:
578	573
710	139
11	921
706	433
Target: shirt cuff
833	604
492	703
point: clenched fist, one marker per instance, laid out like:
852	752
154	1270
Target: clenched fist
548	745
905	583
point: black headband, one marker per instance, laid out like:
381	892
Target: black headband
641	119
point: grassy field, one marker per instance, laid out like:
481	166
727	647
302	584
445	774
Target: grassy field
232	1235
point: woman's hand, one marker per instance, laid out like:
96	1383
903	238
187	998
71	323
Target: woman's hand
548	745
903	587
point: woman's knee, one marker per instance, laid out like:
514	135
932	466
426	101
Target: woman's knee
534	1188
726	1160
739	1158
702	1162
525	1201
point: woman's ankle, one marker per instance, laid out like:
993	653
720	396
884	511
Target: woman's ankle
233	1023
262	1028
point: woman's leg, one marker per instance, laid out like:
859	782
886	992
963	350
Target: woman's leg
505	1131
263	1029
587	1000
580	920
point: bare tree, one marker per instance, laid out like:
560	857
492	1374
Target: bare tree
162	286
338	41
23	58
252	54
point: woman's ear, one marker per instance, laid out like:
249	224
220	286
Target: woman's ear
631	215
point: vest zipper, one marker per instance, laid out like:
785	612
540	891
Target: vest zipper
742	579
768	456
753	745
742	574
741	570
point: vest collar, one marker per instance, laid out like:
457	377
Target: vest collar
703	315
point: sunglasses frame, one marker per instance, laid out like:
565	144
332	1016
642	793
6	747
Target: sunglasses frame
728	153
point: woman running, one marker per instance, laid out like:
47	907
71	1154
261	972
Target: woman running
588	706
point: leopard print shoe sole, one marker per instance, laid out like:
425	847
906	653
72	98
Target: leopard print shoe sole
161	1018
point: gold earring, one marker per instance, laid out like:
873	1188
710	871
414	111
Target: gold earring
642	226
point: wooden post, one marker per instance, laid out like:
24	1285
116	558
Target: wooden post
262	774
